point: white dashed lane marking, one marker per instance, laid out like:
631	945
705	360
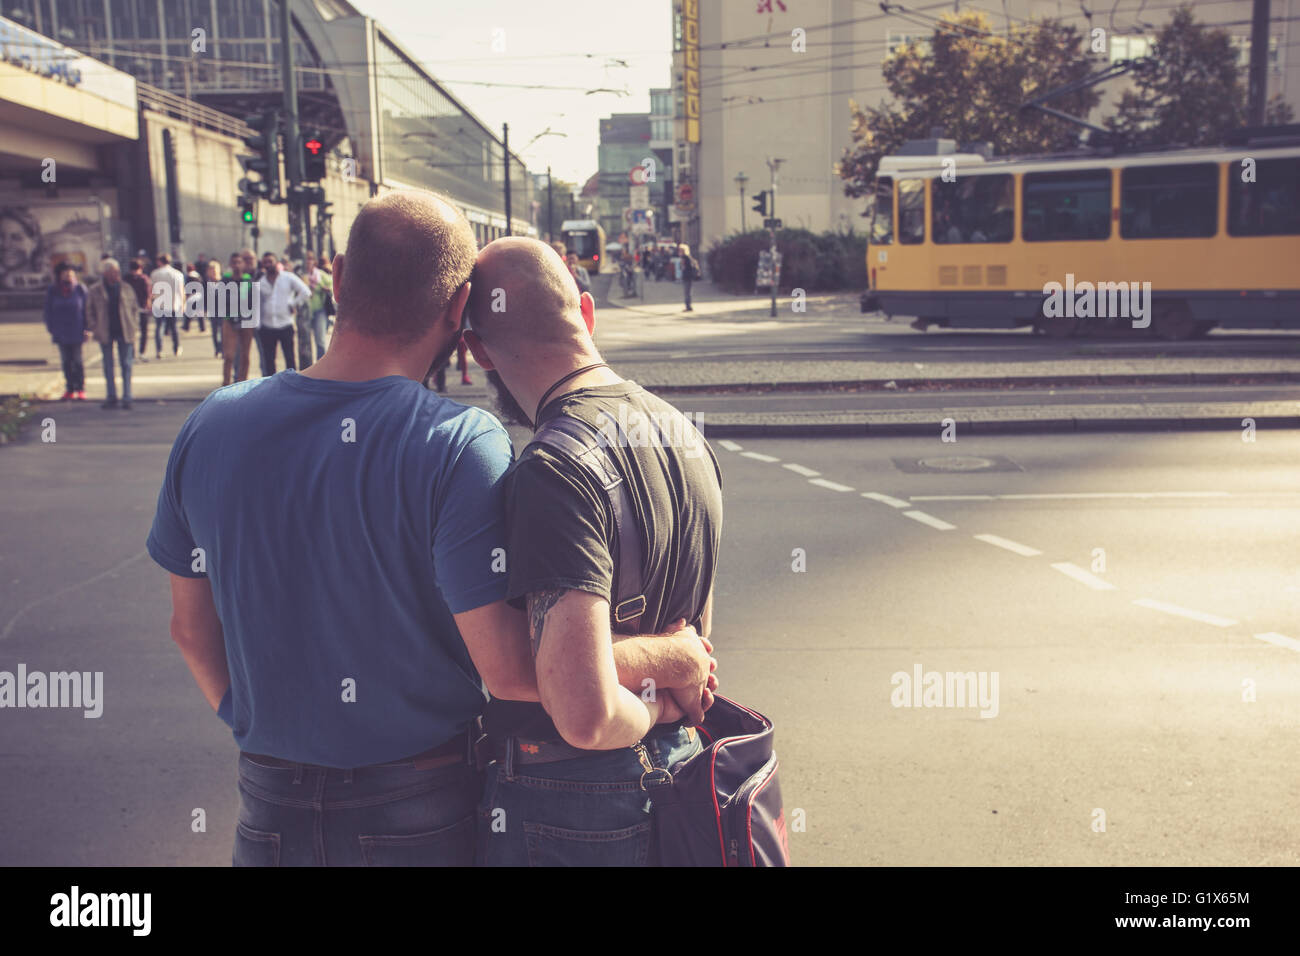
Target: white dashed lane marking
886	499
1008	544
931	520
801	470
1185	612
832	485
757	457
728	444
1083	577
1281	640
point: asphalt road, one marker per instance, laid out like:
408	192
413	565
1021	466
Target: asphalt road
1103	703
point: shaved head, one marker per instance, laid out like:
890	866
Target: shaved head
523	299
408	253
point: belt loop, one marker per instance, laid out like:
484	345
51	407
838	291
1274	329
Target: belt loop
510	758
297	773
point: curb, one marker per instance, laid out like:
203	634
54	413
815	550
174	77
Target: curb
1027	381
1026	427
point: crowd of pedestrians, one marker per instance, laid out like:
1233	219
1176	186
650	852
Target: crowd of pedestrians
116	309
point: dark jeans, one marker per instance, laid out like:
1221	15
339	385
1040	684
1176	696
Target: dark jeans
144	331
687	282
166	325
126	356
590	811
74	372
370	816
216	336
267	339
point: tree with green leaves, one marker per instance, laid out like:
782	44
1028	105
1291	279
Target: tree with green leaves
1189	91
971	81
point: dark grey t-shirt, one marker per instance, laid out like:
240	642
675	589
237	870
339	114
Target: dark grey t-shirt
561	531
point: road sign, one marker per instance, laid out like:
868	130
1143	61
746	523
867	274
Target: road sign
771	223
639	197
764	279
686	195
637	175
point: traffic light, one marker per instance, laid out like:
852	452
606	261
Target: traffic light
265	161
760	203
248	210
313	158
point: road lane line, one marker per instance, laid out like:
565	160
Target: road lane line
886	499
1083	577
757	457
1186	612
953	497
801	470
1281	640
1010	545
833	486
931	520
728	444
1116	494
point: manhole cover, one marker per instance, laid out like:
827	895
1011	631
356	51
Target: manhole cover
956	463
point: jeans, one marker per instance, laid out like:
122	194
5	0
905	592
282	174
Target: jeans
126	356
687	283
144	332
216	335
268	338
74	372
370	816
589	811
166	324
319	326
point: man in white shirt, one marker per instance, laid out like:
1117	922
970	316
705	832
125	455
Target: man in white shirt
166	301
282	294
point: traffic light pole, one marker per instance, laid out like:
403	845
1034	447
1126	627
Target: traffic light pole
772	165
292	146
505	142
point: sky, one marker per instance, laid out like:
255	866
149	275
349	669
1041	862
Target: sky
614	45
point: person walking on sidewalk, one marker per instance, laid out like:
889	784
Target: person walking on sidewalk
282	294
139	284
690	272
212	298
167	301
110	317
312	276
65	319
236	337
193	274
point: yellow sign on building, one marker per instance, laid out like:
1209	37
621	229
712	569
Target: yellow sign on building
691	51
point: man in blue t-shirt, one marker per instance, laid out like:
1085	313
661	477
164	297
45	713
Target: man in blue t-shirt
334	539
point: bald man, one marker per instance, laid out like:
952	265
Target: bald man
333	539
571	766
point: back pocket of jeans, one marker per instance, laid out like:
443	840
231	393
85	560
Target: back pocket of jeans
447	846
556	846
255	847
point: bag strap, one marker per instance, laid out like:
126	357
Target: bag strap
588	448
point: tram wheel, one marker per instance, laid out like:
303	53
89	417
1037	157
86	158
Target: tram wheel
1173	322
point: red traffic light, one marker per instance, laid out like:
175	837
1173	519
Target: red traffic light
313	146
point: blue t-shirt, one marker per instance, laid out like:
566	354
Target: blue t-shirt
341	525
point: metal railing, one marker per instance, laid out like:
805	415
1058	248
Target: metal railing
196	114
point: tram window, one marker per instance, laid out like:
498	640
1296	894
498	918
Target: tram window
882	213
972	209
1066	205
1169	202
1269	206
911	211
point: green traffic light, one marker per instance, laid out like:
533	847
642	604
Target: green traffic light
248	215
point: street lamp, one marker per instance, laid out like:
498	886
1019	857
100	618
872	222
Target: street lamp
741	179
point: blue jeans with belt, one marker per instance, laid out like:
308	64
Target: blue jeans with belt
382	815
588	811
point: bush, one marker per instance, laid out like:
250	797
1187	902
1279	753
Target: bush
829	262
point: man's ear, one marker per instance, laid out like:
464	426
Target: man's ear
587	305
456	307
337	276
477	350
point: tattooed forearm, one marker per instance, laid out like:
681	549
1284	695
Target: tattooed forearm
539	602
